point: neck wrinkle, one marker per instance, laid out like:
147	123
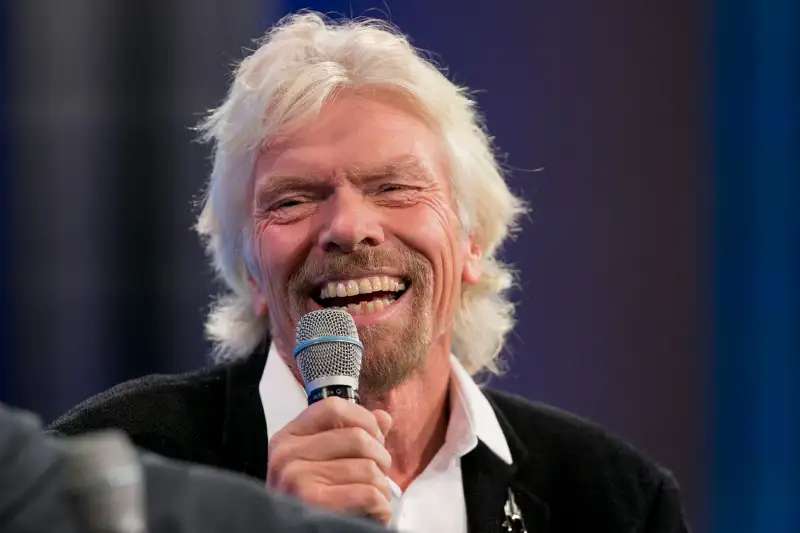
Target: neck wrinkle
420	410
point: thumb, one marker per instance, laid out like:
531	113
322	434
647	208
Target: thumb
384	421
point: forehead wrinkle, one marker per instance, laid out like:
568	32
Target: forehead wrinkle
405	166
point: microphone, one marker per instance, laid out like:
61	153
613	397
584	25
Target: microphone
105	482
328	354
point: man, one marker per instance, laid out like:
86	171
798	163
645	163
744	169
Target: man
35	493
350	172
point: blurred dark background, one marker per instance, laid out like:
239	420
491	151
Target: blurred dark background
656	141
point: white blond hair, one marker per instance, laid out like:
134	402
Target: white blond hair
295	69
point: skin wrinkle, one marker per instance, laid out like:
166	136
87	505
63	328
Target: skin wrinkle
407	167
341	219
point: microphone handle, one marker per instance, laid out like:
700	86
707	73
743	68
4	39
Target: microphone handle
345	392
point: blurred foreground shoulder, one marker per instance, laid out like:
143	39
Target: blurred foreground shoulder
588	475
199	499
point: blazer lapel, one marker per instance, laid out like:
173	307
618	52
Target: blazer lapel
487	479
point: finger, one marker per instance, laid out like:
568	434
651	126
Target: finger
356	471
333	413
306	478
358	500
384	420
344	443
299	475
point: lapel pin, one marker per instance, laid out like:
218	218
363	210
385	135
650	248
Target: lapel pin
513	522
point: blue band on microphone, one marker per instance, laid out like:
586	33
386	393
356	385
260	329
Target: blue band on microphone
303	346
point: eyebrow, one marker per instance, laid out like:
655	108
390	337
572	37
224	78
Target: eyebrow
278	185
275	185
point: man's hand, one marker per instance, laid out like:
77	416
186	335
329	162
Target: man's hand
332	456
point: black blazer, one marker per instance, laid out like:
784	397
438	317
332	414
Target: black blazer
568	475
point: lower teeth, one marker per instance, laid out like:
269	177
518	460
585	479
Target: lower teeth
368	307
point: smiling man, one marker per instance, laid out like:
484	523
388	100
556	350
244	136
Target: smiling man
349	172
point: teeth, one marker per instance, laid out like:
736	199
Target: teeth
365	286
367	307
353	287
341	290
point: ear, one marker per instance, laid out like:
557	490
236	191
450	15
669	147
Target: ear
472	261
257	297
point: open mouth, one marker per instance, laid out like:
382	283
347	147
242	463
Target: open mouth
361	295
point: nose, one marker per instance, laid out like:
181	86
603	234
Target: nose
351	223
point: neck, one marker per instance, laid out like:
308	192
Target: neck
420	413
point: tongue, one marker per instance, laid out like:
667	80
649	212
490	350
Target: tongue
358	298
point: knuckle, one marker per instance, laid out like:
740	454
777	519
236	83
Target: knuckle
294	481
282	445
360	469
373	496
278	457
375	472
286	474
290	470
309	492
362	440
336	407
350	469
274	477
274	444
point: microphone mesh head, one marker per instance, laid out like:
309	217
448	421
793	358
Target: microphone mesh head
334	358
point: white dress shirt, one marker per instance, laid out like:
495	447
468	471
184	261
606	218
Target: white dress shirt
434	501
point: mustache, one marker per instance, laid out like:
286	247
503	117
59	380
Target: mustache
408	262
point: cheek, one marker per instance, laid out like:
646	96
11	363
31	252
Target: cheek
433	229
279	249
442	231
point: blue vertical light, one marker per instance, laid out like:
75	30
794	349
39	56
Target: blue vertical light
757	437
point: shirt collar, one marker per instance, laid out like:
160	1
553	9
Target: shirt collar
471	415
282	396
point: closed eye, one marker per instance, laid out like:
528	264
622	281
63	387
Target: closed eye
393	188
284	204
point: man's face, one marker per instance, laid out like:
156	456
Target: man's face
355	210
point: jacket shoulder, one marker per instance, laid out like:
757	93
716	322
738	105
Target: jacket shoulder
574	459
176	415
542	426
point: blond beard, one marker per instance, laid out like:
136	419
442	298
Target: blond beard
391	359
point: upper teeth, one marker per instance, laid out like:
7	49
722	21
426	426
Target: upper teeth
352	287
